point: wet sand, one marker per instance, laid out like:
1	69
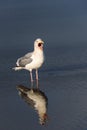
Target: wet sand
62	78
65	88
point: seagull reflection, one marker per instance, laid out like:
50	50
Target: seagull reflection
37	99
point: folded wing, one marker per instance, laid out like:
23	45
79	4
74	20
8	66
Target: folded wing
23	61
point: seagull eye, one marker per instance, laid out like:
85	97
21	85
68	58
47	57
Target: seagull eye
39	44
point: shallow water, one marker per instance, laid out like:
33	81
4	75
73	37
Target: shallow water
65	85
63	77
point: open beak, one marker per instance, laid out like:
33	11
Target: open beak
40	45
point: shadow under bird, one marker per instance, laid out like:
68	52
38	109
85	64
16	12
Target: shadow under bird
37	99
32	60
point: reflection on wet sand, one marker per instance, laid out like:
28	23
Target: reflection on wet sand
37	99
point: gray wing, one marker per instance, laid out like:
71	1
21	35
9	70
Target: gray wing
27	99
23	93
24	60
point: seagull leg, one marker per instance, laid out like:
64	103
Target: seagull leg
36	74
31	78
37	77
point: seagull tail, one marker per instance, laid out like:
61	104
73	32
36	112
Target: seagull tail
17	68
23	89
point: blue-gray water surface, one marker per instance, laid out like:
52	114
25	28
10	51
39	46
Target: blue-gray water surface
63	77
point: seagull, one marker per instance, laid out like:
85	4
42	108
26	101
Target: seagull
37	99
32	60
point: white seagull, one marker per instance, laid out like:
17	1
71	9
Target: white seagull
37	99
32	60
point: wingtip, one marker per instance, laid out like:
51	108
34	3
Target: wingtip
22	88
16	68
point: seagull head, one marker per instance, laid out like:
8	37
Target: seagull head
38	44
43	118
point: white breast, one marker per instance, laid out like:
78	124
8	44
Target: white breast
38	59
